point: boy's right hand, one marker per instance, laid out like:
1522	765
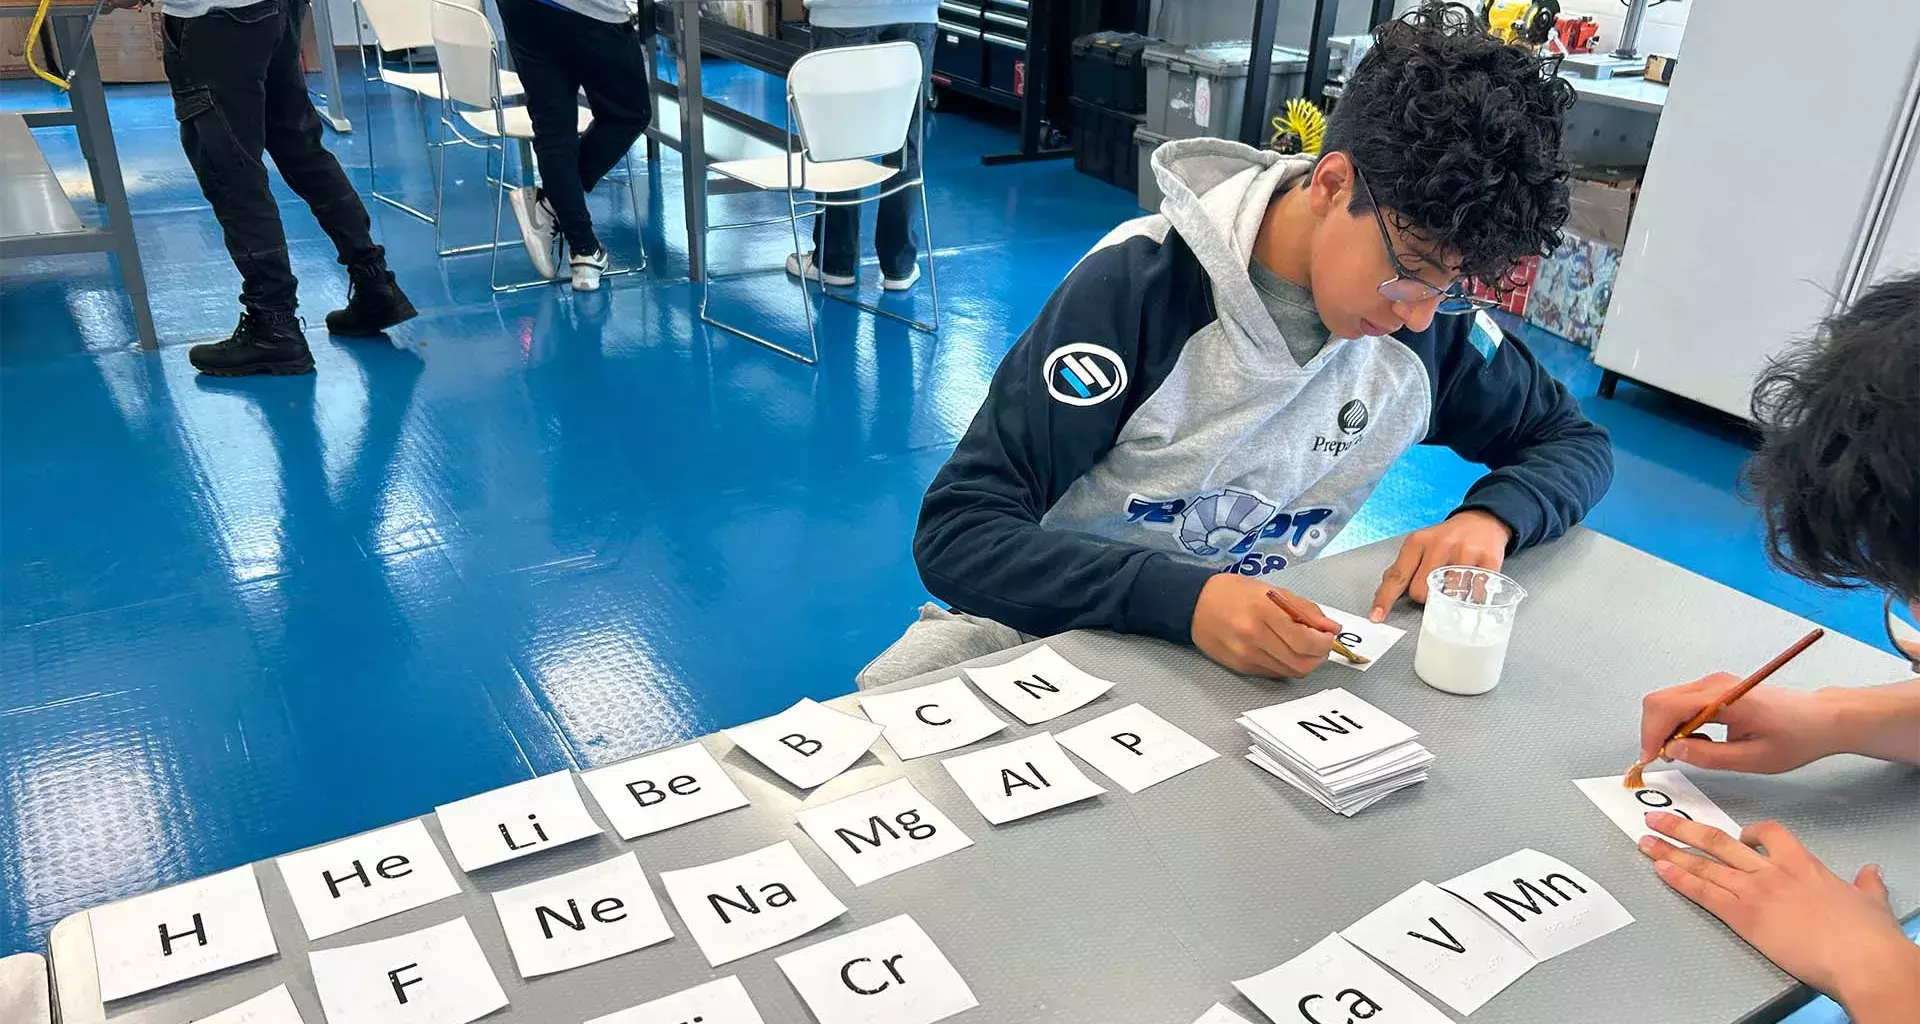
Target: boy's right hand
1237	625
1770	730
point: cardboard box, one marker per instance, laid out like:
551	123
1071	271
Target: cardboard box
129	47
1660	69
13	48
1602	204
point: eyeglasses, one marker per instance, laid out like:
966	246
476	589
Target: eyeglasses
1904	638
1406	286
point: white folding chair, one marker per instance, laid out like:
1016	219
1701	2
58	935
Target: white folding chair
847	107
405	26
468	54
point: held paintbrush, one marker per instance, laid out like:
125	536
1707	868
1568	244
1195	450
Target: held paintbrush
1634	780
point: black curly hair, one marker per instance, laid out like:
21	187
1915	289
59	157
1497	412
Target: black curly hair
1838	471
1458	135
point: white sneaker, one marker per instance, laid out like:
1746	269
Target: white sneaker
538	228
901	284
803	265
587	270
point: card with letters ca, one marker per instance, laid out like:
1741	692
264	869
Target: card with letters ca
886	973
1332	981
1548	904
660	791
436	975
1661	791
364	878
274	1006
716	1002
515	821
181	932
581	917
808	744
1442	945
931	719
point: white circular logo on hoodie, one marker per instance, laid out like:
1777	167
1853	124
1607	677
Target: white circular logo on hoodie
1084	374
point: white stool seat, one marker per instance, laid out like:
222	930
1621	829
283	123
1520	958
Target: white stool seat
518	122
772	173
427	83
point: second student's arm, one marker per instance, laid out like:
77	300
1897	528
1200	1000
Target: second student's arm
980	546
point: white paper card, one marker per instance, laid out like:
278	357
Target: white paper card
581	917
436	975
717	1002
656	792
931	719
1663	791
886	973
1136	748
1362	636
1547	904
366	877
515	821
742	905
1217	1014
1331	728
880	831
1443	946
808	744
1026	776
274	1006
1336	982
1038	685
181	932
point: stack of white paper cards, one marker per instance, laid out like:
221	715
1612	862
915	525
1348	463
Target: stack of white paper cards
1336	748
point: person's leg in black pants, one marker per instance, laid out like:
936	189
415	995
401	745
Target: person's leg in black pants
893	239
836	231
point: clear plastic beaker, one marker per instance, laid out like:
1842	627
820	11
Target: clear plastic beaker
1464	630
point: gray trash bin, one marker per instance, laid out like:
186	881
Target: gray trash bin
1146	143
1195	91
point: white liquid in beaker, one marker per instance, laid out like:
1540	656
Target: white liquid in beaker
1457	663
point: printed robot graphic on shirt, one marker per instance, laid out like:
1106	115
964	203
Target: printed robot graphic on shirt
1232	521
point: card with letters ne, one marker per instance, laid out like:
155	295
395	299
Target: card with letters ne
581	917
1362	636
364	878
1025	776
1039	685
1332	981
1136	748
1661	791
1546	903
931	719
181	932
1442	945
716	1002
808	744
515	821
886	973
880	831
659	791
436	975
274	1006
742	905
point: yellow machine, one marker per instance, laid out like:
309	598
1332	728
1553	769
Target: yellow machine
1528	22
1299	129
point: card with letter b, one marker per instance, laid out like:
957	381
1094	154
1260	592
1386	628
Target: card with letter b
808	744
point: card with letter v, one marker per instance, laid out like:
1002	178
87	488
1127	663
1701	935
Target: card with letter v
1442	945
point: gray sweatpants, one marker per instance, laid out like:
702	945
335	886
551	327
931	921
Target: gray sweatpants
940	639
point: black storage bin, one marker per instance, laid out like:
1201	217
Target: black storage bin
1103	144
1108	71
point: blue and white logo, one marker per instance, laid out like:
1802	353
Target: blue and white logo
1084	374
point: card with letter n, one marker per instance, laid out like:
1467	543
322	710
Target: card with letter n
1039	685
808	744
182	932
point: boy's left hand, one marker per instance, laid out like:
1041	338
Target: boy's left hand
1472	537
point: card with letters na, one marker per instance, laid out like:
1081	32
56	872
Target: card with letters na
742	905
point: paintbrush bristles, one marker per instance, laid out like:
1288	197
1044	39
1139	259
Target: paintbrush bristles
1634	779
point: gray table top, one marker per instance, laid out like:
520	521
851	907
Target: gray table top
1146	907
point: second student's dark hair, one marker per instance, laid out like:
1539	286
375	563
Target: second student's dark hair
1458	135
1838	471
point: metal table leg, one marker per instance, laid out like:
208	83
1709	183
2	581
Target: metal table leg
332	105
693	142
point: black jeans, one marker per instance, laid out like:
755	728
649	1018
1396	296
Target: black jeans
558	53
237	89
893	241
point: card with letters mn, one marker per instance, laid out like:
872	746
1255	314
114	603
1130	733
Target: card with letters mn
931	719
1546	903
436	975
1442	945
274	1006
742	905
1019	778
716	1002
660	791
363	878
808	744
1332	981
1039	685
1659	791
881	831
581	917
515	821
180	932
886	973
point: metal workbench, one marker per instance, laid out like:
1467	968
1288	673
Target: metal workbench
1145	908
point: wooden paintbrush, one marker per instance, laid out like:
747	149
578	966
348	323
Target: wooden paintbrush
1634	780
1295	614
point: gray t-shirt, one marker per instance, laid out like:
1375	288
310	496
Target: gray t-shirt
1293	311
195	8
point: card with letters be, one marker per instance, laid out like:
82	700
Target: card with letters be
662	791
1335	982
1039	685
716	1002
886	973
363	878
181	932
436	975
808	744
1023	777
742	905
1442	945
1660	791
274	1006
1549	905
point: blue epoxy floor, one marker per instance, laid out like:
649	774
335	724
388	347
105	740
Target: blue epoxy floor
532	533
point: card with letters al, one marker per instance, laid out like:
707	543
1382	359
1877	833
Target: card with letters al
1442	945
1136	748
886	973
660	791
808	744
436	975
1039	685
1660	791
515	821
742	905
180	932
581	917
1332	982
363	878
882	831
1546	903
1019	778
931	719
716	1002
274	1006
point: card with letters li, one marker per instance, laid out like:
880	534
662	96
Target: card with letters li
742	905
1363	636
1442	945
1025	776
659	791
1039	685
1336	748
886	973
581	917
808	744
181	932
515	821
931	719
274	1006
363	878
716	1002
1135	747
436	975
1332	981
880	831
1659	791
1548	904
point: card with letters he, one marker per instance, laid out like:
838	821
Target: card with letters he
1135	747
1332	981
581	917
1363	636
1660	791
363	878
1039	685
436	975
1442	945
659	791
716	1002
1546	903
808	744
881	831
180	932
1019	778
274	1006
515	821
931	719
742	905
886	973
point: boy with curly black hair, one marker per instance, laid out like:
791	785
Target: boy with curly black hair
1213	392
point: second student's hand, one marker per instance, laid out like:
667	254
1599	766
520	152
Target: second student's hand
1472	537
1237	625
1770	730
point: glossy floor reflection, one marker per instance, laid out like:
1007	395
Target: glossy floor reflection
535	532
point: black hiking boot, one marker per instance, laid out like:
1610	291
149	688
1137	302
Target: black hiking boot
374	303
261	343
